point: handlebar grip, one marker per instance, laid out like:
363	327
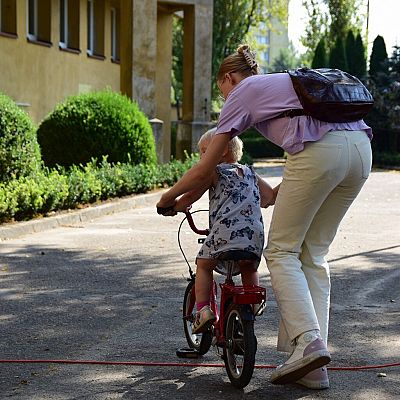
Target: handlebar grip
164	210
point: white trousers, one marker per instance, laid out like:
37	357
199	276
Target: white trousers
319	184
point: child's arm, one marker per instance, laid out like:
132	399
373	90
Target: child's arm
267	194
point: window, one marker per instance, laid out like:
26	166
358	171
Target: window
39	21
69	24
262	39
265	56
115	29
95	28
8	17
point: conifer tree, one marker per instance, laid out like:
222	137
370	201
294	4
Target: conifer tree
350	48
378	62
320	56
337	56
359	60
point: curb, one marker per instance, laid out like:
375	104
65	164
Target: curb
18	229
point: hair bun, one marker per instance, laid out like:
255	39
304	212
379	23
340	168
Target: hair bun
249	56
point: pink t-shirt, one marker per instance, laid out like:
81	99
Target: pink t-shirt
257	99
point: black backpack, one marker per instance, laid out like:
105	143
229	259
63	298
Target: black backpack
330	95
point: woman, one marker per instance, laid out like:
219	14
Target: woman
326	167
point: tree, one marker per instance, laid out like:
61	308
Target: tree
337	56
320	59
385	88
232	21
341	14
330	19
350	51
177	64
393	95
316	27
359	65
378	63
287	59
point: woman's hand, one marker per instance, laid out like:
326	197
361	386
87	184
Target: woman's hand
166	207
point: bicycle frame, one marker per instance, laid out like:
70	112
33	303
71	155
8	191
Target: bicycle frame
231	294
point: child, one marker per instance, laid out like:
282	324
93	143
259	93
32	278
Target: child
236	193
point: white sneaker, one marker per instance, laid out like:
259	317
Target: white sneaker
204	319
309	354
317	379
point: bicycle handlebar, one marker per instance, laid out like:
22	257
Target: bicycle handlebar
164	210
192	225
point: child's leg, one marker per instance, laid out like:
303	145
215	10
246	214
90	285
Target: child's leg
249	273
204	279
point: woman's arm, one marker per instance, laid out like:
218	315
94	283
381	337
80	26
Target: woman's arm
199	175
189	198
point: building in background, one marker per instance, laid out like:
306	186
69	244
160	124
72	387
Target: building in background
270	41
51	49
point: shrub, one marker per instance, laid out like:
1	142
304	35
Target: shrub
83	185
19	149
56	189
28	196
257	146
386	159
94	125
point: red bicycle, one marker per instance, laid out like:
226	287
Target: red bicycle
233	330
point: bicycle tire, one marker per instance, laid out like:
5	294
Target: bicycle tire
200	342
240	347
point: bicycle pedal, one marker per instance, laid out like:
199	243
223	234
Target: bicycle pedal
187	353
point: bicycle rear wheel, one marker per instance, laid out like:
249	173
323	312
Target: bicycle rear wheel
200	342
240	347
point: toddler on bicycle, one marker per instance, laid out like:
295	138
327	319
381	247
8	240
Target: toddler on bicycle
236	194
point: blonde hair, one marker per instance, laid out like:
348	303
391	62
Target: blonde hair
243	61
235	144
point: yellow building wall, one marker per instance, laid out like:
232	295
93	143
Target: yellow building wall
39	77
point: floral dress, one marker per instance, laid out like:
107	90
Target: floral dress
235	214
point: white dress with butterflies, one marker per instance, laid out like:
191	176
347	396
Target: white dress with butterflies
235	214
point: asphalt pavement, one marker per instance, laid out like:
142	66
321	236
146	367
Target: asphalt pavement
106	283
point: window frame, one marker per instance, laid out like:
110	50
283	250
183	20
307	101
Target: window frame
95	30
32	36
32	22
115	35
69	40
63	24
12	33
90	27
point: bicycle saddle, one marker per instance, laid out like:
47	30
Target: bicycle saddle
236	255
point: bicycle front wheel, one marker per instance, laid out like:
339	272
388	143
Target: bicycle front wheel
240	347
200	342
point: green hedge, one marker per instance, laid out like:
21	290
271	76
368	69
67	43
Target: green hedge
57	189
93	125
19	149
257	146
386	159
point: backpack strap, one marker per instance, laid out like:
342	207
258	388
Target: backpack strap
294	112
